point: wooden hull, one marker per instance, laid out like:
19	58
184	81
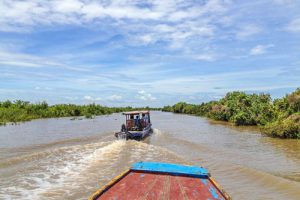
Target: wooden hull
135	135
147	180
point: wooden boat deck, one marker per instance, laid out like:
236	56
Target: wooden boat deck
139	185
145	181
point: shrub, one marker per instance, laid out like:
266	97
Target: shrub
286	128
279	118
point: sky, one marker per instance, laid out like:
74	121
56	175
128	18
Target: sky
147	53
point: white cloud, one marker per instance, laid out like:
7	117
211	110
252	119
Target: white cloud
67	6
33	12
148	38
114	97
16	59
21	60
293	26
142	92
149	24
145	96
87	98
90	98
185	26
217	97
248	30
43	88
260	49
71	98
205	57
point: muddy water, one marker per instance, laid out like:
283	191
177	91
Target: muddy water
65	159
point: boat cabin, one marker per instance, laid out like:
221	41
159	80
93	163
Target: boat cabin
137	120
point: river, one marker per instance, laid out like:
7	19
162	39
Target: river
70	159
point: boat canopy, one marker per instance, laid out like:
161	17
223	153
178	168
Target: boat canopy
136	112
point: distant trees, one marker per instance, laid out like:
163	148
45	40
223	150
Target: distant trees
278	118
24	111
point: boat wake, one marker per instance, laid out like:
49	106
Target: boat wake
74	171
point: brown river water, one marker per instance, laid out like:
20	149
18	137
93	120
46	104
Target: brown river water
70	159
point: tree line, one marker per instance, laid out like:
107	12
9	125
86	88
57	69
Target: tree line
276	118
18	111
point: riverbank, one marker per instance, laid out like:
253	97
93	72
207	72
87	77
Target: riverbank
276	118
20	111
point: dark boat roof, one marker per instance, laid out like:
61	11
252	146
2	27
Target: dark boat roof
136	112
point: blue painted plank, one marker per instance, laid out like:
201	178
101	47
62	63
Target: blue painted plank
173	169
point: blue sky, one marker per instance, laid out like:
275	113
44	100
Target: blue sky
139	53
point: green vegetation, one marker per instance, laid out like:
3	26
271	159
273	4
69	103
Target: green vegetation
278	118
18	111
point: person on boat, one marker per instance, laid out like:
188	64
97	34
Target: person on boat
136	121
145	119
123	128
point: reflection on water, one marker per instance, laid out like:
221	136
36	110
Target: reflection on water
64	159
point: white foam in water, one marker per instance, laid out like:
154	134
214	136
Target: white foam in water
157	132
60	171
69	169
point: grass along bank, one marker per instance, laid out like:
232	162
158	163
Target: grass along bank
18	111
276	118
